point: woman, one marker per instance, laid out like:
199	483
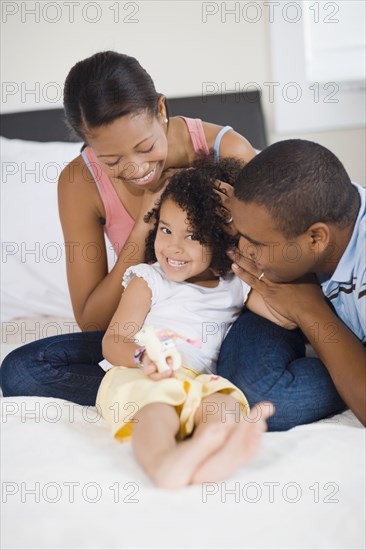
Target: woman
131	144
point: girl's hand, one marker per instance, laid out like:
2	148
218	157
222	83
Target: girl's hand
150	369
166	175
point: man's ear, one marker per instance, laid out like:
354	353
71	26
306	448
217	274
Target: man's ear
319	236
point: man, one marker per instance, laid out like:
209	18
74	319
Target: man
302	246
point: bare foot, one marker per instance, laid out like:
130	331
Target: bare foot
241	445
176	468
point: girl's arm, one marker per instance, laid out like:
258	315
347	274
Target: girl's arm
256	304
118	342
94	292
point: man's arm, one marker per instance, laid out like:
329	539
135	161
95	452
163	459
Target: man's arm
342	353
256	303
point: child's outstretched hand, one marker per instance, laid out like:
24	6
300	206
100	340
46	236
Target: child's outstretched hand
151	370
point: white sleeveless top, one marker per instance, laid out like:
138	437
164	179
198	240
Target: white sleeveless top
198	313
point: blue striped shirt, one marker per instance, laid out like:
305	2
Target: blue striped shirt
346	289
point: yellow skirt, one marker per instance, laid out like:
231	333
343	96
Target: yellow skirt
124	391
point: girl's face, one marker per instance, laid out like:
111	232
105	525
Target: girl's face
132	149
181	256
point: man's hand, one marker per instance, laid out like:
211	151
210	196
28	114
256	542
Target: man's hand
289	300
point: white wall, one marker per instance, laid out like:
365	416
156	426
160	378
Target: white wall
182	44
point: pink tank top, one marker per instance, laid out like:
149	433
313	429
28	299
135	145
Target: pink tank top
118	223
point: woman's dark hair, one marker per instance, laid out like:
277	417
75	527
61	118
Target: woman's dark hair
300	183
193	190
104	87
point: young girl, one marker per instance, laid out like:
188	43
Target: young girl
188	291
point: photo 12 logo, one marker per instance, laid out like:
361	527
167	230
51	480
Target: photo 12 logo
270	92
70	12
69	491
252	12
270	491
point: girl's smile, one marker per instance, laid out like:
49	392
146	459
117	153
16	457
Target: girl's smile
175	264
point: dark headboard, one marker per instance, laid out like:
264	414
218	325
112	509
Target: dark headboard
241	111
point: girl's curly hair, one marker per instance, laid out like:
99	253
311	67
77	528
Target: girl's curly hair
193	190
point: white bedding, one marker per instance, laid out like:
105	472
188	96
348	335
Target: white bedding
305	490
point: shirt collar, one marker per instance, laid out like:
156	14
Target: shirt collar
345	266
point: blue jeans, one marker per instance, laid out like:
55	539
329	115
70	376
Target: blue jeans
265	361
268	362
64	367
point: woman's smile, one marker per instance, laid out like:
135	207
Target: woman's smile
144	180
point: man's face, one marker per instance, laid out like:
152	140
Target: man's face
281	259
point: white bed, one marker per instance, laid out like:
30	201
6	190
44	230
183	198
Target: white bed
66	484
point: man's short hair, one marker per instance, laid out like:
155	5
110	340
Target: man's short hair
300	183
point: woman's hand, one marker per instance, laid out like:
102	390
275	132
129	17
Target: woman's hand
226	191
150	198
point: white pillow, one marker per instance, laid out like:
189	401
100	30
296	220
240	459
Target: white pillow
33	269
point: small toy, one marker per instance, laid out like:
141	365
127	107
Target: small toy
160	346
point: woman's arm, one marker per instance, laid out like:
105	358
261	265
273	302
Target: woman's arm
118	342
232	144
94	292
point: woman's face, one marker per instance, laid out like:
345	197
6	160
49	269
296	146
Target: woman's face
132	149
